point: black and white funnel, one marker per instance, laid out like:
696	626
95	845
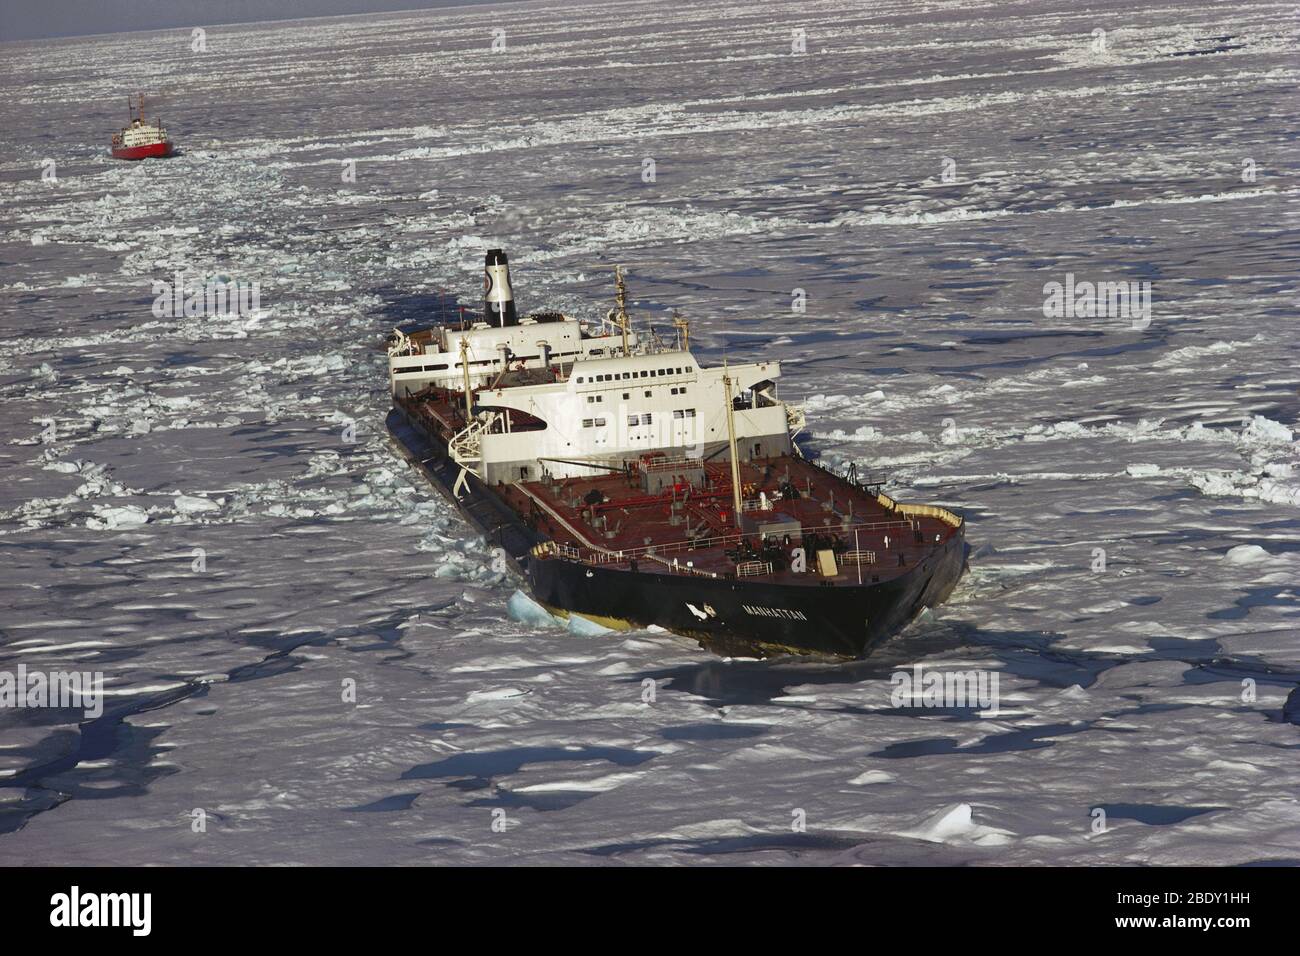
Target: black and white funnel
498	297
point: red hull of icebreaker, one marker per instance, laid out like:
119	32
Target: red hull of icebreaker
152	151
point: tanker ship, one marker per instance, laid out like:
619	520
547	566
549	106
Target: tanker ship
628	483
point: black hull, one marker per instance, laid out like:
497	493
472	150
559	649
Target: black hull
727	616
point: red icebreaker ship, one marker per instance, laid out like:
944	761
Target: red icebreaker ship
139	140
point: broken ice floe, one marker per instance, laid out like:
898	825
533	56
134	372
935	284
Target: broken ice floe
955	824
117	518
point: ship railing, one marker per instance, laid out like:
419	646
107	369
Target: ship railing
921	511
678	568
597	555
858	557
570	553
734	537
677	461
466	446
623	557
556	549
795	419
867	479
751	569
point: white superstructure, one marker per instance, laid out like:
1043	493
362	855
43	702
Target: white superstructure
139	132
500	341
621	408
552	397
434	357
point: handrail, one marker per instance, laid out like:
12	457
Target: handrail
921	511
685	544
858	557
663	464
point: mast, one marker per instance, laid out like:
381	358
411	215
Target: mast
731	442
464	367
620	296
683	327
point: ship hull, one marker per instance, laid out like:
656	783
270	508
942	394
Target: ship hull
734	617
151	151
729	616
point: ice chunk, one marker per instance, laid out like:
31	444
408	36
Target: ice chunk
949	822
955	824
1247	554
1265	431
872	776
585	627
520	607
110	519
189	505
499	693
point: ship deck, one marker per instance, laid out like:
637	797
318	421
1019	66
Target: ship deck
689	527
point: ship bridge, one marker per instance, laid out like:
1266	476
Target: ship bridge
611	409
